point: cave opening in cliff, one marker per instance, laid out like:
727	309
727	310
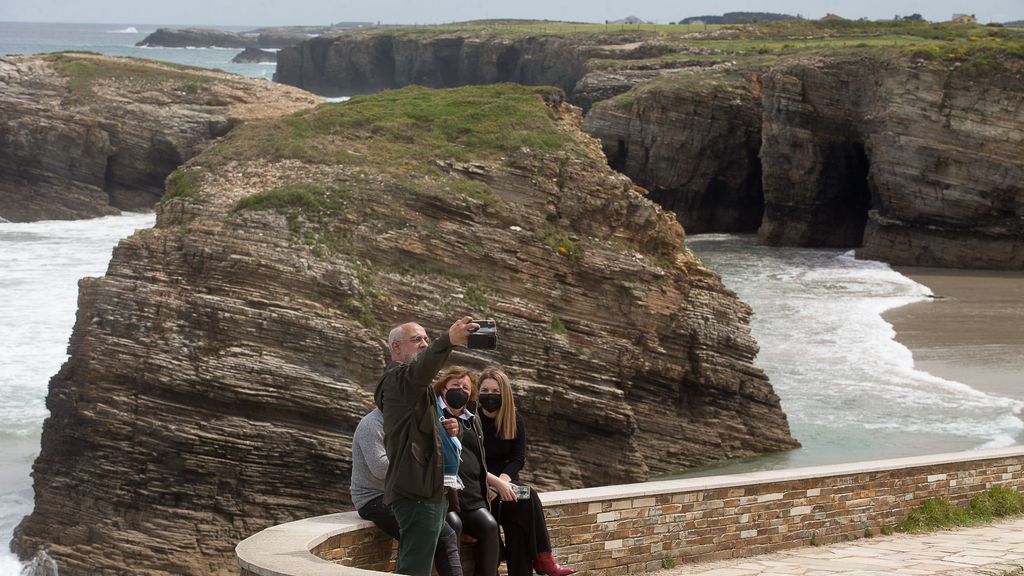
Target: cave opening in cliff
850	198
617	160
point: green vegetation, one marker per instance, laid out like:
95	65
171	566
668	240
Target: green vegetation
668	563
409	130
997	502
182	184
85	70
309	208
558	326
362	308
512	29
559	241
476	297
304	197
475	190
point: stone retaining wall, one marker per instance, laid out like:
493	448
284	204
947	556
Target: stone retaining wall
638	528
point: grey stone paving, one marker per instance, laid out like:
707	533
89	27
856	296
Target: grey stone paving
993	550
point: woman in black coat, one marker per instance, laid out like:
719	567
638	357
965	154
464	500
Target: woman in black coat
454	386
527	544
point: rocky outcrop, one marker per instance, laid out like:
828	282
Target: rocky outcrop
918	162
83	135
199	38
218	369
913	161
353	63
254	55
692	143
281	37
269	38
910	154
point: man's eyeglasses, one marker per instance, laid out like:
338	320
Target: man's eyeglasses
418	339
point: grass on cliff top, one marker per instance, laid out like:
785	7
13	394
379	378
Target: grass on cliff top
939	513
85	69
513	29
748	44
406	130
785	31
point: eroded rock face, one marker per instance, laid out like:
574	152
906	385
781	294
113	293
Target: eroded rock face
914	163
86	135
219	368
919	163
693	144
814	153
355	63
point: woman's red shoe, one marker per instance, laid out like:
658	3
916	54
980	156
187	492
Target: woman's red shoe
545	563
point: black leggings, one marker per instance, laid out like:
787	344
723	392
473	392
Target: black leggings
526	533
481	525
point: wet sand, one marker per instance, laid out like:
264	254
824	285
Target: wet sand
972	332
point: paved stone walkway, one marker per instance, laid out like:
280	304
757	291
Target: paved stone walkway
994	550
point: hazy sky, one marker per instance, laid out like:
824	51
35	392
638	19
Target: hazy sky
314	12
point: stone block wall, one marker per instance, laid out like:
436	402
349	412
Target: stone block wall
641	528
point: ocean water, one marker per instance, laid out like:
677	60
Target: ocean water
41	264
119	40
851	392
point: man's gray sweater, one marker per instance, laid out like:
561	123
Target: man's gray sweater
369	460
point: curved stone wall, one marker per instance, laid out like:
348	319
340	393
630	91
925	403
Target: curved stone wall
632	528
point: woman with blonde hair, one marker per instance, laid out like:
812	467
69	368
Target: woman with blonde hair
527	544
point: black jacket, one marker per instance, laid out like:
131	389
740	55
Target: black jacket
411	425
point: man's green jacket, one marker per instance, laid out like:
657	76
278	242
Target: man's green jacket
411	425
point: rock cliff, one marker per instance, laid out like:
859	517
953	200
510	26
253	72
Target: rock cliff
914	161
200	38
254	55
83	135
692	138
218	369
918	161
368	62
909	152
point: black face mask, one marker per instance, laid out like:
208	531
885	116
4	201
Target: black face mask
456	398
490	402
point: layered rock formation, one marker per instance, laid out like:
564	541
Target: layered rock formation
83	135
219	368
278	37
693	143
911	154
918	162
914	161
358	63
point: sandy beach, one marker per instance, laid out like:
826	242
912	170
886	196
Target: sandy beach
972	332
